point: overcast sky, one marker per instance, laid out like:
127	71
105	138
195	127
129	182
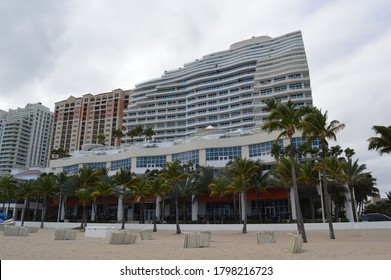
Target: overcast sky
50	50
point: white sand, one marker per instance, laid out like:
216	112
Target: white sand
368	244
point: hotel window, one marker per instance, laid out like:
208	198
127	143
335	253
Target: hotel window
226	153
151	161
121	164
71	169
95	165
296	86
260	149
190	156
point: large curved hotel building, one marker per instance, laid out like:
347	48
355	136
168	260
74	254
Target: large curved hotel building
209	111
226	90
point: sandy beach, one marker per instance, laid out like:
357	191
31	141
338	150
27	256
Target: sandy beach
358	244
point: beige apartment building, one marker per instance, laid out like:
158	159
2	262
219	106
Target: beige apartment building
80	120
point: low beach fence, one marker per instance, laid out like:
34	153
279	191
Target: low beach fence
217	227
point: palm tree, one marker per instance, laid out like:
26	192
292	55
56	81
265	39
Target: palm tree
336	180
88	179
103	189
203	176
286	118
363	191
219	189
125	179
140	192
242	170
117	134
173	173
260	182
132	133
157	188
101	139
281	175
308	177
354	176
46	187
315	126
149	133
61	181
381	144
8	185
85	196
26	190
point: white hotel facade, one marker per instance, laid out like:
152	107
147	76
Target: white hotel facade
208	111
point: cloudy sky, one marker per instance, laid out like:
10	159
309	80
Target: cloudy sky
50	50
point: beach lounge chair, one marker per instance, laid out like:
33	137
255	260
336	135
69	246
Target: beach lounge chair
146	234
295	244
265	237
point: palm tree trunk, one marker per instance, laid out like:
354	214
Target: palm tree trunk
178	229
43	211
327	198
244	229
352	199
222	211
300	222
24	211
123	211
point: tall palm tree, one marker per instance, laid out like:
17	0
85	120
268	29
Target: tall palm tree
157	188
8	185
281	176
308	177
381	143
242	170
125	179
260	182
286	118
315	126
85	196
103	189
173	173
336	182
46	187
61	181
88	179
355	175
140	192
219	189
26	190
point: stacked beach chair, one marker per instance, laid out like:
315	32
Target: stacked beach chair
64	234
122	237
197	239
265	237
